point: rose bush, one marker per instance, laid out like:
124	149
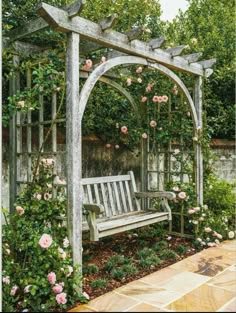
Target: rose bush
38	273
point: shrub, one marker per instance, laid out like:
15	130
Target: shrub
99	283
160	245
181	249
144	253
118	274
168	254
116	260
149	261
129	269
38	272
90	269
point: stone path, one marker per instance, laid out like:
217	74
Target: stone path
204	282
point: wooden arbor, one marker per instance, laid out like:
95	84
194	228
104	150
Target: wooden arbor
137	52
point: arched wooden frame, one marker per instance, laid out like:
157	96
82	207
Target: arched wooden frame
104	67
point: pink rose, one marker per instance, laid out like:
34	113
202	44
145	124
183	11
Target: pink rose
176	151
188	113
191	211
164	98
45	241
143	99
26	289
207	229
124	129
108	145
139	80
21	103
47	196
20	210
117	125
89	63
52	278
70	271
155	99
144	136
38	196
66	243
117	147
139	70
128	81
197	209
13	290
57	288
61	298
103	59
62	284
176	188
6	280
182	195
160	129
219	236
153	123
148	88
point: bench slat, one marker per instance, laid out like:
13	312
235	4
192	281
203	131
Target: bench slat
104	200
117	197
122	196
105	179
129	196
111	199
96	194
90	197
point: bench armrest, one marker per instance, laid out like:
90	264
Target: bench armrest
155	194
95	208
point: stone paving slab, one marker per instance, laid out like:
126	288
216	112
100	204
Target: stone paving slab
204	282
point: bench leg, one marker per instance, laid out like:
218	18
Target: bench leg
93	231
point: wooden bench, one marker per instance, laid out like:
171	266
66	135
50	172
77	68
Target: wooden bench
113	205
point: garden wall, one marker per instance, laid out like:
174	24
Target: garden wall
101	161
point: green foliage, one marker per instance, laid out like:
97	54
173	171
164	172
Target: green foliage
181	249
122	271
152	260
144	253
116	260
129	269
160	245
99	283
35	244
204	24
117	274
90	269
168	254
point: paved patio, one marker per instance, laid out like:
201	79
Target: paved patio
204	282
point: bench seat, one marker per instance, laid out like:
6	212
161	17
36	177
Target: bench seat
113	205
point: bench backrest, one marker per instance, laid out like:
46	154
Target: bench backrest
115	193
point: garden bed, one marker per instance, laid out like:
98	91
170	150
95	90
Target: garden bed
125	257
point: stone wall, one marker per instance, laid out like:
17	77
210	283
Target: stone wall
101	161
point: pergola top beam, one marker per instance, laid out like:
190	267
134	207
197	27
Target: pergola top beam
59	19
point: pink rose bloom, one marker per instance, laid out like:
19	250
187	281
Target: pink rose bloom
148	88
160	128
26	289
50	162
85	68
62	284
139	80
47	196
182	195
70	271
61	298
219	236
8	251
117	147
139	70
207	229
159	99
175	200
58	89
144	135
21	103
89	63
153	123
38	196
20	210
197	209
164	98
103	59
13	290
66	243
124	129
191	211
143	99
128	81
176	188
117	125
188	113
201	218
6	280
108	145
57	288
45	241
155	99
231	234
52	278
176	151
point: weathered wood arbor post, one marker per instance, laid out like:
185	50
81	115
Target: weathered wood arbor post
136	52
